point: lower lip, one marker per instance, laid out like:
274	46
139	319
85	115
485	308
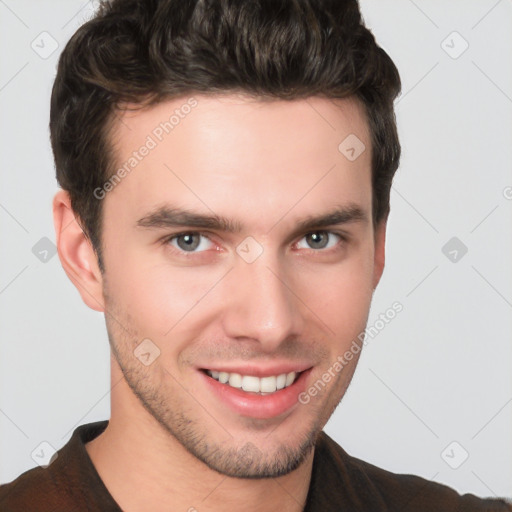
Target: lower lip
254	405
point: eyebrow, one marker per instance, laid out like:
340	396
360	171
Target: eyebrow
168	217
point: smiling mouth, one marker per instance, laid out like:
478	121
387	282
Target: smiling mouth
252	384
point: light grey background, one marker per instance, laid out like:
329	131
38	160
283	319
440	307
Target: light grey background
438	373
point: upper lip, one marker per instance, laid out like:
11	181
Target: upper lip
259	370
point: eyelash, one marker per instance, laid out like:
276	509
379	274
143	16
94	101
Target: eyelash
168	239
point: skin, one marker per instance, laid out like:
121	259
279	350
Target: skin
171	444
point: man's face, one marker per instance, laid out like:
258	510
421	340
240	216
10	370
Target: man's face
251	301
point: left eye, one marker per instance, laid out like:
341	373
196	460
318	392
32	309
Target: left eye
320	239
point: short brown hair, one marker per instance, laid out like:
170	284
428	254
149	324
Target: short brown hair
145	52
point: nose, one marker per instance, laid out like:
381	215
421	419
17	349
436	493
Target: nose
261	303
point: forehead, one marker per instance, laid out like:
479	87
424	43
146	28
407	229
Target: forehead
232	151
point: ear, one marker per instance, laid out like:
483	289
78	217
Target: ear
380	251
76	253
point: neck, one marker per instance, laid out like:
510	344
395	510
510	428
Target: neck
146	468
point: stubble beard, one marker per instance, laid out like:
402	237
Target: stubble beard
247	461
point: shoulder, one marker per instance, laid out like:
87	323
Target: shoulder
385	490
67	481
36	489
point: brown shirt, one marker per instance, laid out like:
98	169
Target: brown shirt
339	482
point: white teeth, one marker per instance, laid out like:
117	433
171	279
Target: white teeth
281	381
268	384
235	380
254	384
250	383
290	378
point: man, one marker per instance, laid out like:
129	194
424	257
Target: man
225	171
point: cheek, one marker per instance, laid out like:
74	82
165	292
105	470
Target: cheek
160	299
341	295
346	313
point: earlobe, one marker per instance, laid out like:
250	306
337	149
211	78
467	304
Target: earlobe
76	253
380	252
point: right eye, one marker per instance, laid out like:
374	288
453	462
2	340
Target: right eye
188	242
